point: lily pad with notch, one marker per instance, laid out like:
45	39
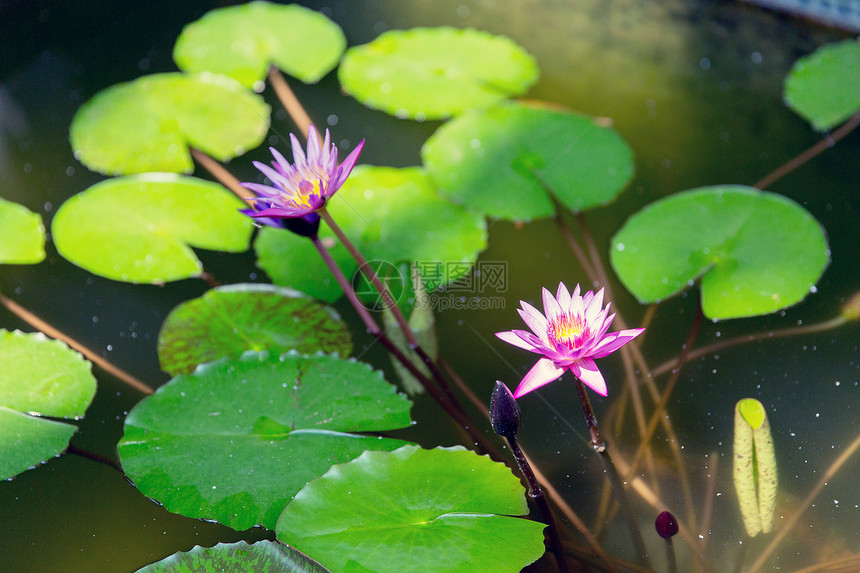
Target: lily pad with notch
237	439
435	73
754	252
148	124
241	41
506	160
141	228
239	557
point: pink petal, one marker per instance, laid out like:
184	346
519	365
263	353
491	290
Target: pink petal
533	319
347	165
595	305
281	213
514	337
615	340
262	190
314	155
550	305
541	374
586	370
299	158
563	297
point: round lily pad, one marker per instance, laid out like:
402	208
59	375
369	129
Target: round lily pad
235	440
433	73
503	161
824	87
229	320
148	124
141	228
392	215
22	235
38	377
446	509
241	41
240	557
755	252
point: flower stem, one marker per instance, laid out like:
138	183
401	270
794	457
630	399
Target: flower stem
289	100
599	447
391	304
90	355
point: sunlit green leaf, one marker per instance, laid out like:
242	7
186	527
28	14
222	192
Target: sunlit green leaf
235	440
262	556
141	228
503	160
392	215
755	252
824	87
38	377
432	73
148	124
241	41
230	320
22	235
414	510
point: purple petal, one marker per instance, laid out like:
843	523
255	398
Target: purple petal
586	370
516	338
615	340
533	319
347	165
314	154
281	212
541	374
264	190
275	177
299	158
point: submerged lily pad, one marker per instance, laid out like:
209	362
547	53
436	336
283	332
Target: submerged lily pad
241	41
414	510
230	320
433	73
141	228
148	124
235	440
22	235
824	87
392	215
501	161
269	556
38	377
755	252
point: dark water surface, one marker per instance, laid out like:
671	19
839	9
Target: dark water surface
694	87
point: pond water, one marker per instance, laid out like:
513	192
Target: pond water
694	87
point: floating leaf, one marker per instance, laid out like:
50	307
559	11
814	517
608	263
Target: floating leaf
141	228
148	124
433	73
755	252
393	216
269	556
824	87
230	320
502	160
241	41
755	466
39	377
22	235
235	440
414	510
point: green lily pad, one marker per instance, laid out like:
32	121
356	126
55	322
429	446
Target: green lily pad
501	161
824	87
392	215
756	252
148	124
38	377
434	73
235	440
269	556
414	510
22	235
230	320
141	228
241	41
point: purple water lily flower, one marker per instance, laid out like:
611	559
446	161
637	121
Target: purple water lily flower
570	336
303	187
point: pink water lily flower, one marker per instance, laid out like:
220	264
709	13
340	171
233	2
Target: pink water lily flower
570	336
304	186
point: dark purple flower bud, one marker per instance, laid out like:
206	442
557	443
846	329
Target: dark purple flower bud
504	412
666	525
